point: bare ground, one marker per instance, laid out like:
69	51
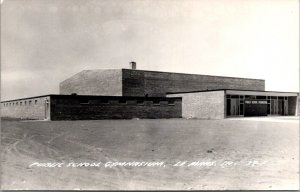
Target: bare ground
265	152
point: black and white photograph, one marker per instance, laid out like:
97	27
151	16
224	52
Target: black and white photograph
149	95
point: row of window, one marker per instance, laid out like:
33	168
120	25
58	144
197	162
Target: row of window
124	101
255	97
20	103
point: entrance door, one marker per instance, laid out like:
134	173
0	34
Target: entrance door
274	107
233	107
286	109
47	109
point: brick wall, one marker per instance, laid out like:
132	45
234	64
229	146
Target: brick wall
89	108
32	108
156	84
93	82
207	105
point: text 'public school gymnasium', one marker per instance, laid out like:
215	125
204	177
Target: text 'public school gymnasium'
132	93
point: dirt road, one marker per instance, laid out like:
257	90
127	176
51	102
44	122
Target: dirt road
213	154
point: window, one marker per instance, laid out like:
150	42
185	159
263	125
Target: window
156	102
104	101
35	101
29	103
171	102
25	102
84	101
261	97
122	101
17	103
21	103
140	102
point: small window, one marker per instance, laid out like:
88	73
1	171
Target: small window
84	101
29	102
21	103
241	96
104	101
156	102
17	103
35	101
171	102
261	97
285	98
140	102
25	102
122	101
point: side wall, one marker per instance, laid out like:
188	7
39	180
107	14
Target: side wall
93	82
157	84
203	105
33	108
93	108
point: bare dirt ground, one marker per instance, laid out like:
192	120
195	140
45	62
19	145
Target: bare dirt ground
248	153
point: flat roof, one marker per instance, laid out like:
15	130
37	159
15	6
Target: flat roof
242	92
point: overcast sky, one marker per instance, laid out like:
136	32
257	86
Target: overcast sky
44	42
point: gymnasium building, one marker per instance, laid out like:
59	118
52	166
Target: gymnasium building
132	93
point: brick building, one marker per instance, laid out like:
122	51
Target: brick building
131	93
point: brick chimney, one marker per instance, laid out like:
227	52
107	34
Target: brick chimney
133	65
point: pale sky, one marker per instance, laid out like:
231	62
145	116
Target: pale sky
44	42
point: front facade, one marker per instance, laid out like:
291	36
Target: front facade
220	104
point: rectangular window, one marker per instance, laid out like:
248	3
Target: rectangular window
261	97
140	102
21	103
122	101
156	102
84	101
104	101
25	102
29	103
35	102
171	102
